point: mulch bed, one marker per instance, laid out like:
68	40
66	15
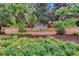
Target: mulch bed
60	37
2	32
67	37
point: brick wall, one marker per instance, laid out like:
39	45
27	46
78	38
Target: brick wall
9	30
72	30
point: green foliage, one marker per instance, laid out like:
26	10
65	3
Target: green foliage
17	11
67	22
6	43
8	40
62	11
4	16
12	14
44	21
31	18
42	13
61	28
30	15
71	11
21	27
13	21
7	37
70	22
42	47
74	9
57	23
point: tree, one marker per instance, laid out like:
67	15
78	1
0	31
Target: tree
4	17
41	11
71	10
12	14
62	12
30	15
17	11
59	5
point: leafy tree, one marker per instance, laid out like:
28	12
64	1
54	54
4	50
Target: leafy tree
4	17
42	12
71	10
59	5
62	12
30	15
17	11
74	9
13	14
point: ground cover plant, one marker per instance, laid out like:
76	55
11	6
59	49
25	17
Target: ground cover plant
39	46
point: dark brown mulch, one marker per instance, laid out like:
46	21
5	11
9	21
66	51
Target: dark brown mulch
67	37
60	37
2	32
63	37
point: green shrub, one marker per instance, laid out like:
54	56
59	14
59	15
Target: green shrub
21	27
48	46
57	23
70	22
67	22
8	40
60	28
7	43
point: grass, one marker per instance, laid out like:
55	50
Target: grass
48	46
5	37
